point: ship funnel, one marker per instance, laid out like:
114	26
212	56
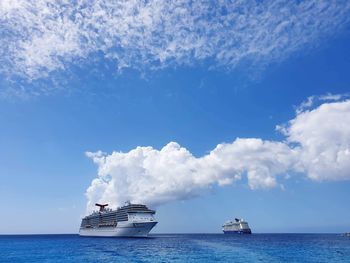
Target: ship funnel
102	207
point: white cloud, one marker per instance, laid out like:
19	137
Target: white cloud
311	101
158	176
317	144
41	36
324	138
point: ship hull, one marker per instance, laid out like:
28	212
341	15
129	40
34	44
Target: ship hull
245	231
121	230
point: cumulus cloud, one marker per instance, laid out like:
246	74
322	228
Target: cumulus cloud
41	36
317	144
323	135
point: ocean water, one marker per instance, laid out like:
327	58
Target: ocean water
177	248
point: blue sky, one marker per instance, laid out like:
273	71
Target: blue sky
58	103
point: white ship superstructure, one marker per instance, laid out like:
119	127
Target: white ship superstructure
237	226
130	220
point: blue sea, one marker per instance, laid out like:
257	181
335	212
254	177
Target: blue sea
177	248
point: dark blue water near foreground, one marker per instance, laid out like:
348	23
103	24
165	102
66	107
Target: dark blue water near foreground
177	248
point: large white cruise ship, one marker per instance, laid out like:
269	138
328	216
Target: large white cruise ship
238	226
130	220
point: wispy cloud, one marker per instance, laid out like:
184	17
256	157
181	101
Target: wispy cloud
42	36
311	101
317	144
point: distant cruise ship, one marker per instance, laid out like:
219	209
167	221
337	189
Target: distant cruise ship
238	226
130	220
